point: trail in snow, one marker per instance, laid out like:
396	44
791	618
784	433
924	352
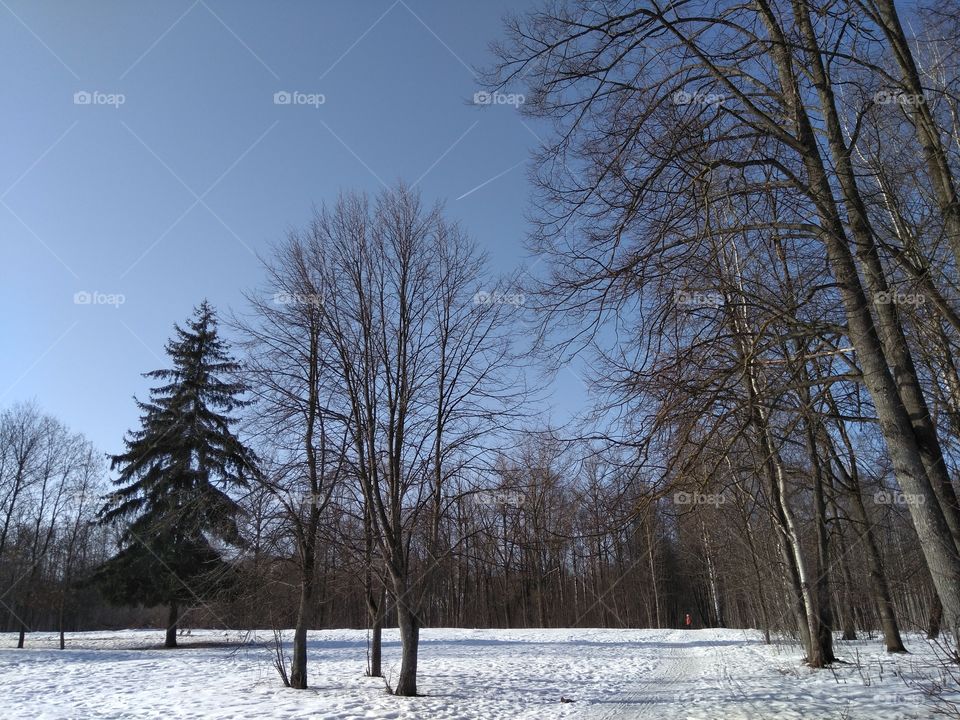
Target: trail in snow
464	674
682	675
693	678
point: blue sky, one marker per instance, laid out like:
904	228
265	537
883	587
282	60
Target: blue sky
181	167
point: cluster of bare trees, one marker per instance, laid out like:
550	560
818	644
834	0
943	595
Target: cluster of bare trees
561	534
752	207
50	483
554	538
381	382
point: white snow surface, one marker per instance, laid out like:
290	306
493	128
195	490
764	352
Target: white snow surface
463	675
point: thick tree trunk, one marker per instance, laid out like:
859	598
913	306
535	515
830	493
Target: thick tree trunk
298	664
172	620
376	648
849	626
307	531
410	640
822	582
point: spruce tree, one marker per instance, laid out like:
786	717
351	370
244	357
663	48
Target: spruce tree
175	477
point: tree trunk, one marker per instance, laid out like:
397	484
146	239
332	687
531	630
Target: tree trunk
936	616
376	648
410	640
375	612
797	579
895	348
848	610
172	619
822	581
298	665
754	557
653	569
883	598
711	574
60	614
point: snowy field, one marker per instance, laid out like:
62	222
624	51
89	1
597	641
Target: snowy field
466	674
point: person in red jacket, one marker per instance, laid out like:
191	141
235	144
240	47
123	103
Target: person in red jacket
688	621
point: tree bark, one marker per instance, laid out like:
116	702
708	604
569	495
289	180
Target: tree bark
653	570
936	617
822	581
376	609
172	620
410	640
298	664
60	614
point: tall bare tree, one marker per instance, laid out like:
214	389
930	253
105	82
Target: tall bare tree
417	369
287	359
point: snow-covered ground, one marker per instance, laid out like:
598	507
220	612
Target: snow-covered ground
468	674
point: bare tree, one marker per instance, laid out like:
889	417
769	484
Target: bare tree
421	362
286	365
